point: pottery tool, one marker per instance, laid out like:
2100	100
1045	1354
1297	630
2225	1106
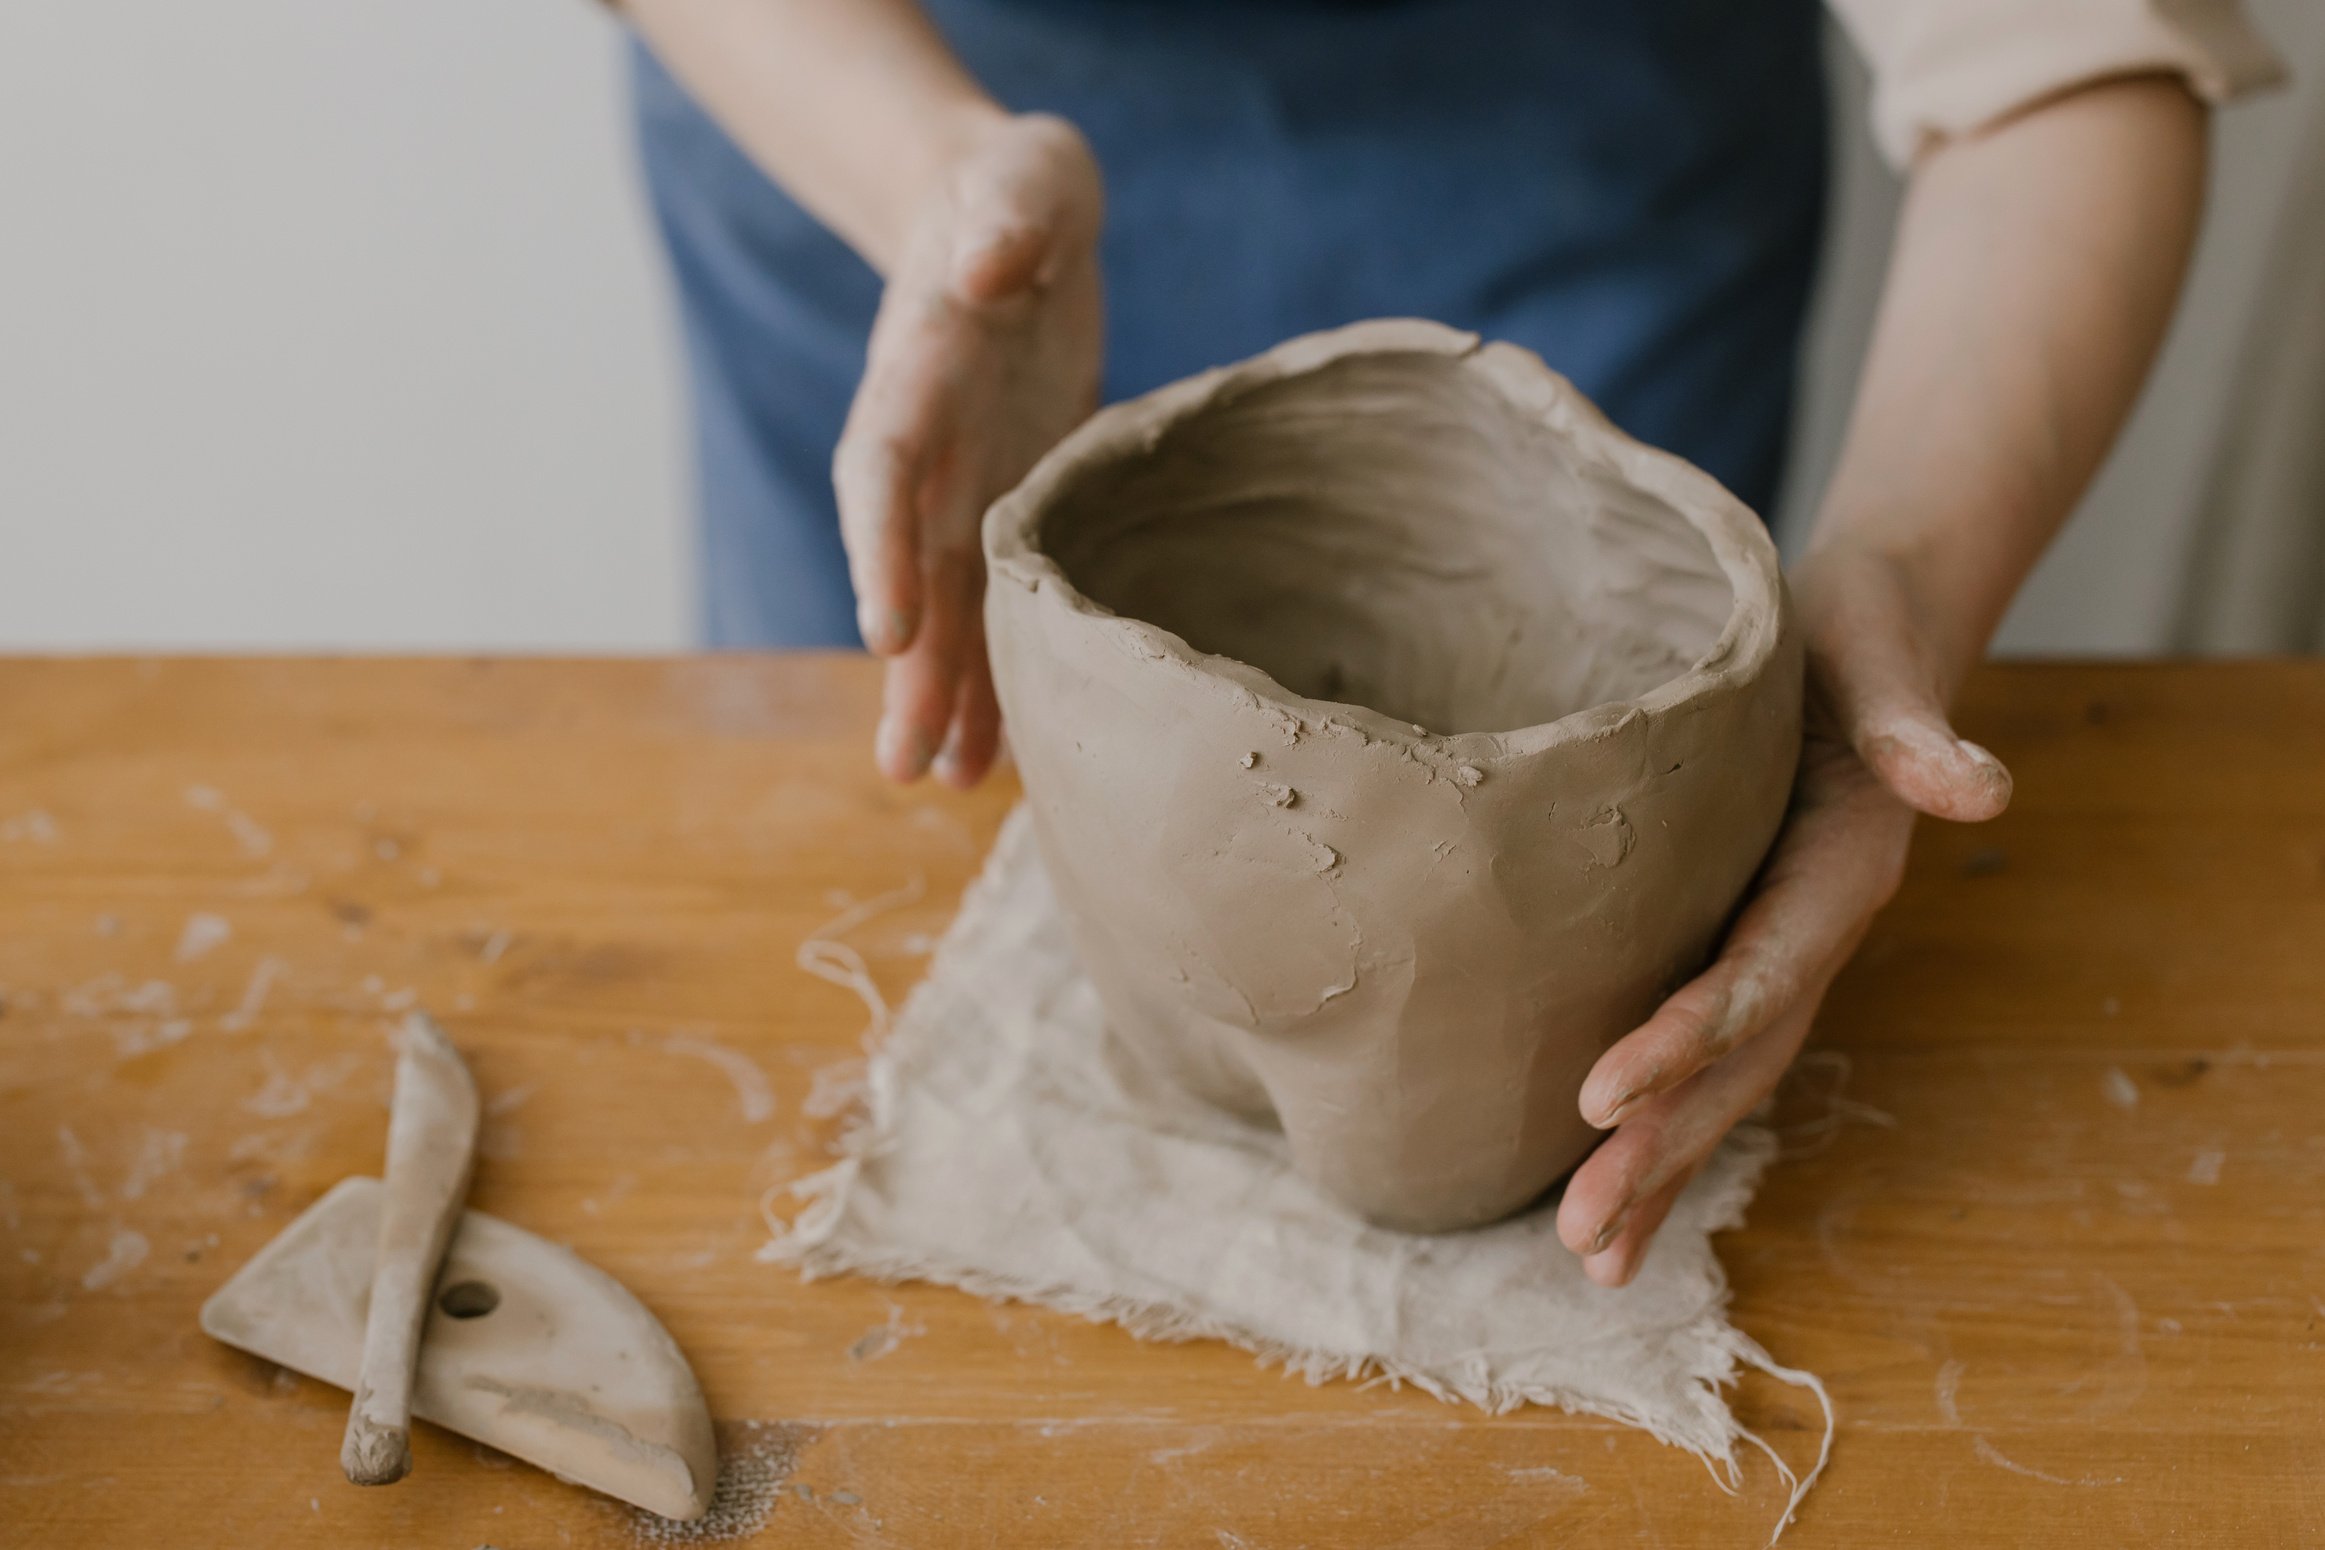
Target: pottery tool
431	1148
520	1344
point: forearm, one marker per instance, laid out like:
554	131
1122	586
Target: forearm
2035	270
856	107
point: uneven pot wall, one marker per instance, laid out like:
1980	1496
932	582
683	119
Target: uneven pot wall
1397	733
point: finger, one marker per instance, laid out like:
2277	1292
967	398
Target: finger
1873	682
874	474
1668	1136
893	454
1619	1261
975	737
1918	757
924	681
1833	869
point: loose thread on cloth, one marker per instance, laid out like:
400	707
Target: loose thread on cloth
999	1150
824	954
1753	1354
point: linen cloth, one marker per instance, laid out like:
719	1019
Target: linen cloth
1008	1146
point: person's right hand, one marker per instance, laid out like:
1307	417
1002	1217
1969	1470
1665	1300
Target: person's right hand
1877	748
984	354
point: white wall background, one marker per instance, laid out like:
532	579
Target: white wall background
340	326
329	325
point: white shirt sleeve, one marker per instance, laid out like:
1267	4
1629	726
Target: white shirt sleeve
1945	67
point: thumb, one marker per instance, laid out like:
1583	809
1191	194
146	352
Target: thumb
1907	743
1874	682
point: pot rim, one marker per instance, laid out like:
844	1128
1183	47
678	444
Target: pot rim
1739	542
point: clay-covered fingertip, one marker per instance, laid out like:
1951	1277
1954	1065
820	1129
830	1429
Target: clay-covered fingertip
1990	776
1939	774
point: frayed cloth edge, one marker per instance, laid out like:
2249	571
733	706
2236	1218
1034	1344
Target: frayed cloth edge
814	1243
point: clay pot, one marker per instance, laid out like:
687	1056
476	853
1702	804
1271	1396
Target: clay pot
1397	733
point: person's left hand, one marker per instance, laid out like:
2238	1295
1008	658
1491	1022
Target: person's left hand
1876	749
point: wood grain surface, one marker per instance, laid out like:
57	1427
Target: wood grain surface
2059	1249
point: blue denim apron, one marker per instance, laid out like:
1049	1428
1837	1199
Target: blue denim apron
1631	188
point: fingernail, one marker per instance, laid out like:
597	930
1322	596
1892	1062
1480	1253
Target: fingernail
902	751
1995	772
1606	1233
947	766
1602	1111
1612	1114
900	626
1612	1270
885	630
1983	758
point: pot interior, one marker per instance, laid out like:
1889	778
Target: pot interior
1390	531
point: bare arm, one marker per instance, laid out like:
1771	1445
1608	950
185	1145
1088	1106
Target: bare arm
856	107
2036	267
986	348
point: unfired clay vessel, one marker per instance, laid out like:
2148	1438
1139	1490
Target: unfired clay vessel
1397	733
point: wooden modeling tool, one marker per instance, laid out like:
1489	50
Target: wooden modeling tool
520	1344
431	1148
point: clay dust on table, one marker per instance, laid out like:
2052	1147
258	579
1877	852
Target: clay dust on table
754	1470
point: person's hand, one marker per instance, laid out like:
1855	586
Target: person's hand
984	354
1876	750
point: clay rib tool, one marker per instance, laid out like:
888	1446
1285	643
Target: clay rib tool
527	1348
431	1147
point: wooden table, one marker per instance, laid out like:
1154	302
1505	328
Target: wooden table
2061	1256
